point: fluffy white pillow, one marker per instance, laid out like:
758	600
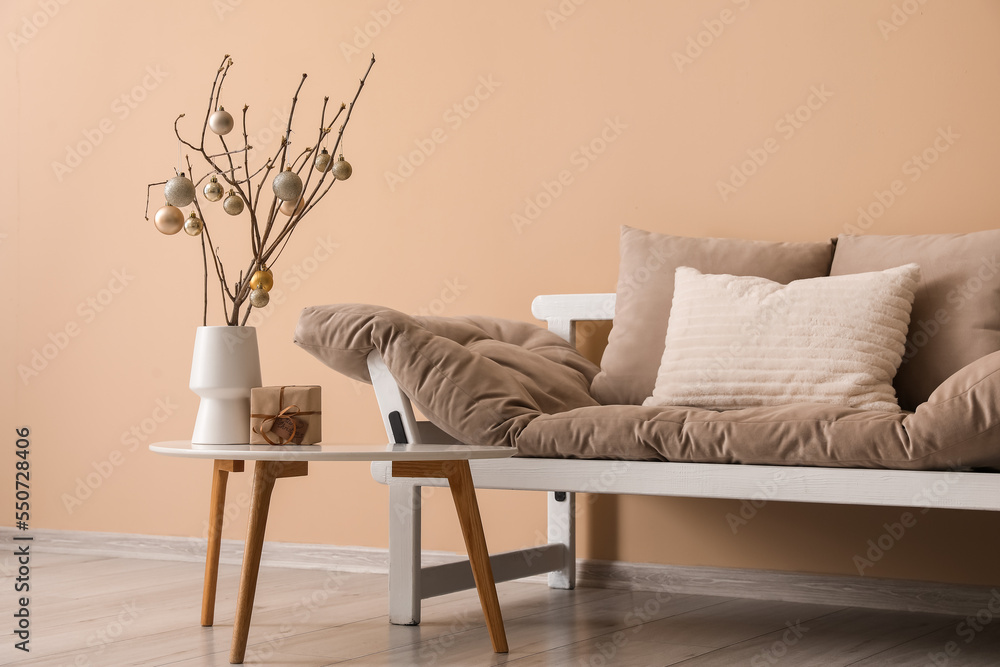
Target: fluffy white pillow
739	341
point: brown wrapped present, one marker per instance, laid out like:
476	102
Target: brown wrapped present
288	415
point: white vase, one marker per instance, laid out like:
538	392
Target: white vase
225	366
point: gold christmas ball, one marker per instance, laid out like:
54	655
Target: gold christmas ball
221	122
179	191
262	279
193	225
287	185
292	208
323	161
259	298
213	191
233	205
342	169
169	219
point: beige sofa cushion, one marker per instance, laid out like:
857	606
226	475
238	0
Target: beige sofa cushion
742	341
496	382
957	428
956	311
646	287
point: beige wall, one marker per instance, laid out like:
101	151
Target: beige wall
444	239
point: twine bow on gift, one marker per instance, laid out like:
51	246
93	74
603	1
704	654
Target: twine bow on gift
280	421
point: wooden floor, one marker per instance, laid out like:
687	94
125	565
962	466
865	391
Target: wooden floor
117	611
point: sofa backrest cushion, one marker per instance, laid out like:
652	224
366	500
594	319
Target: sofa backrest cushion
646	287
956	311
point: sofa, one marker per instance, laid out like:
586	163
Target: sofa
491	381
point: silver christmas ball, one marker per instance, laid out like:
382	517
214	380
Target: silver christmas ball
179	191
213	191
221	122
259	298
232	205
169	219
193	225
342	169
323	161
287	185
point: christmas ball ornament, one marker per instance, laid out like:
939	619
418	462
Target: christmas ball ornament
323	161
262	279
293	208
221	122
169	219
287	185
179	191
213	191
193	225
232	205
342	169
259	298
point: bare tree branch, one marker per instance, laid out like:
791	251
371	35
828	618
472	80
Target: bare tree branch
249	188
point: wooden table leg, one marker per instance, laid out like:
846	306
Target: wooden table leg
220	477
463	492
264	475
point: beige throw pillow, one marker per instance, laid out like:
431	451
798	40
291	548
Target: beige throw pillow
740	341
646	286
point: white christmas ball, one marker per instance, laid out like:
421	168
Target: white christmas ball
169	219
221	122
293	208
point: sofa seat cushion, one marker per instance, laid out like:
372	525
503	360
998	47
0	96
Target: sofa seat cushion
957	428
800	433
489	381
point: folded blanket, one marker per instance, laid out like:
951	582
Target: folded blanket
489	381
480	379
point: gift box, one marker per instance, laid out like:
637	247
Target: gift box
288	415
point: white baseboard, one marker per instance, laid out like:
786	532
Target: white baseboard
870	592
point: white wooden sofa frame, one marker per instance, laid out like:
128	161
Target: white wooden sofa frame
409	583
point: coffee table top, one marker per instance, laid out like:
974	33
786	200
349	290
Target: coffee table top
367	452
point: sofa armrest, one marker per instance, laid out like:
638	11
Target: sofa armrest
563	311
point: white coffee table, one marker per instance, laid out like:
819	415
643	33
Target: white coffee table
449	462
